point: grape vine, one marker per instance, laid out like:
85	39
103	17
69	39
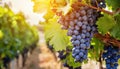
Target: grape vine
83	20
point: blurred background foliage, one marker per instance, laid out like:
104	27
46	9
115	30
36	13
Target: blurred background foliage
16	34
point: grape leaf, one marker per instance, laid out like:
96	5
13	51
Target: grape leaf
41	6
57	37
113	3
115	32
105	23
49	14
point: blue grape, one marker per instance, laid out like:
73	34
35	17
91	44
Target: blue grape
74	37
81	54
83	46
77	58
78	37
85	57
88	28
77	50
111	57
87	45
82	40
84	27
76	42
87	34
75	32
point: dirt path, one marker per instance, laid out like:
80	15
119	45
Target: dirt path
43	58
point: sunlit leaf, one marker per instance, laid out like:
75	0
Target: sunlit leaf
41	6
58	37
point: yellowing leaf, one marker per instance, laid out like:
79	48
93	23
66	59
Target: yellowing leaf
41	6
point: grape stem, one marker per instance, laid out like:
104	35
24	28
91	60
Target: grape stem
78	4
107	39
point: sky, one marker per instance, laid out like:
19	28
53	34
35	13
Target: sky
25	6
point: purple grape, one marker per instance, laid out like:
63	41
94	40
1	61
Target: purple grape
83	26
88	28
72	23
77	27
77	57
84	31
75	32
78	37
82	40
81	54
77	42
83	36
84	18
79	24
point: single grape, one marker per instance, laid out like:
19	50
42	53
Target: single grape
79	24
77	57
81	54
82	41
77	27
83	26
78	37
71	23
77	42
84	18
83	36
75	32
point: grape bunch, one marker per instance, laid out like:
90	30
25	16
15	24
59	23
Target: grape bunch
111	56
80	24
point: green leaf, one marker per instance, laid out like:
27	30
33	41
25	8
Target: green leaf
113	3
57	37
71	62
105	23
97	48
115	32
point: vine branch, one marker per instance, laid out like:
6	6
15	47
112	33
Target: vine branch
107	39
77	4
